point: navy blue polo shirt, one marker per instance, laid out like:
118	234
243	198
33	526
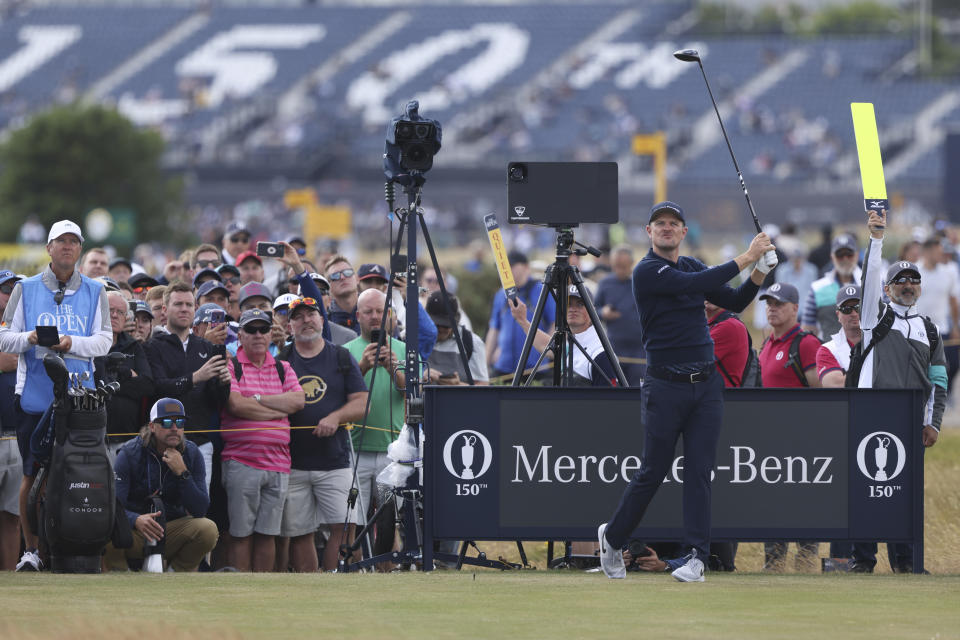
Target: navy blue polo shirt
670	299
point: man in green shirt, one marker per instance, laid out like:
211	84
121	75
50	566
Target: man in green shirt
385	420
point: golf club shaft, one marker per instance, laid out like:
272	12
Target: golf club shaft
743	185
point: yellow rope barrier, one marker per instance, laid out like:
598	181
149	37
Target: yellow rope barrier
350	426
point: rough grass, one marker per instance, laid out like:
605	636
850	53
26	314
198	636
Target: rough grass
519	605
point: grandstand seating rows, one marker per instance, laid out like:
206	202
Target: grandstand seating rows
509	80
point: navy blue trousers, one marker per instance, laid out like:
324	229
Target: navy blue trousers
669	410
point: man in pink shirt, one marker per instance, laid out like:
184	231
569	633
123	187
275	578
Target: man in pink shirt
256	437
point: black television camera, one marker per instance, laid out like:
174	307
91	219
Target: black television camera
412	141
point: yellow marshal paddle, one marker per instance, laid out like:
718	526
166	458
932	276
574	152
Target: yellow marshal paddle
871	164
500	255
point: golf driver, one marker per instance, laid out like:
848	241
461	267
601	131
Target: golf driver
692	55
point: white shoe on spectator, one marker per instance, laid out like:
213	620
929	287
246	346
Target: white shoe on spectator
611	560
29	561
153	563
692	571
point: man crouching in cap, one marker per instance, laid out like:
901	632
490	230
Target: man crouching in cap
161	467
682	390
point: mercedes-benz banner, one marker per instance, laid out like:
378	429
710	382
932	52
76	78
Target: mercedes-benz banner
551	463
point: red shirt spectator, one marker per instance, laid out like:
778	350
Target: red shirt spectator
731	344
775	355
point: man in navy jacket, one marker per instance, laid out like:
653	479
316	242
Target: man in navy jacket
682	392
161	483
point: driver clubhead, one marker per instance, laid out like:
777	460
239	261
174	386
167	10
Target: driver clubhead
687	55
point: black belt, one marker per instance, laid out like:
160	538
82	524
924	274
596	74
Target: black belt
672	376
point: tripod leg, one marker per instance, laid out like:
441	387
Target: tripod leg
523	554
534	323
446	300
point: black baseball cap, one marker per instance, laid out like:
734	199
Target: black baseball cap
203	273
517	257
782	292
901	266
211	285
117	261
438	311
849	292
843	241
255	315
142	280
370	270
227	268
666	207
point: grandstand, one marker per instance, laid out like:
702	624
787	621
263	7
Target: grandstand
247	91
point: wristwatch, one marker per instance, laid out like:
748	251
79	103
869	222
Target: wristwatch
185	475
256	397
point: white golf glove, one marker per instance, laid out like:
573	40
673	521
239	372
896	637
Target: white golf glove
767	262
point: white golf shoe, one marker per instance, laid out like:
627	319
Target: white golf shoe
611	560
692	571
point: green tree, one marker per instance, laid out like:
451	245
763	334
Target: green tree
71	159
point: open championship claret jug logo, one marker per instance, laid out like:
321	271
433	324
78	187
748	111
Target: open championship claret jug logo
467	454
881	456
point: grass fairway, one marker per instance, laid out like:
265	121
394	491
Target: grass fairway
487	604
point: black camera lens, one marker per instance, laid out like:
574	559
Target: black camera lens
404	131
422	131
517	172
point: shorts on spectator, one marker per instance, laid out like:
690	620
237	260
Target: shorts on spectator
254	499
28	422
315	498
11	472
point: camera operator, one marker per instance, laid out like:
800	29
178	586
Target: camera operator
126	363
161	463
190	369
445	364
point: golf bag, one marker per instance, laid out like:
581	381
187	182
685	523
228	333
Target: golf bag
73	503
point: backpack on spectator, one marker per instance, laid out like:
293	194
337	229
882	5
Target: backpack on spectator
793	356
858	354
750	378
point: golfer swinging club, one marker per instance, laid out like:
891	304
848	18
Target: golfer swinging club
682	392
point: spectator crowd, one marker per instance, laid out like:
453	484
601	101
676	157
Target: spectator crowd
248	406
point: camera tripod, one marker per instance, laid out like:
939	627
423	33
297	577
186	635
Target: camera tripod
411	508
557	280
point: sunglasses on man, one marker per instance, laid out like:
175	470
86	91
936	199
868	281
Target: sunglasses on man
208	264
847	309
905	280
141	289
262	328
240	238
343	273
170	423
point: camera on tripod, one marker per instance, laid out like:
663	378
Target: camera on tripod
412	141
